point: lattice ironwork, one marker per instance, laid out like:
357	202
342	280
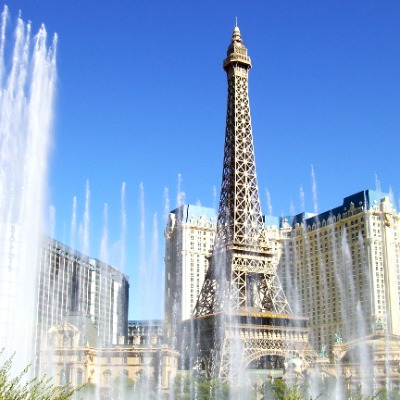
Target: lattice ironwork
243	272
242	275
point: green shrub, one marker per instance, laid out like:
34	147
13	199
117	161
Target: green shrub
21	388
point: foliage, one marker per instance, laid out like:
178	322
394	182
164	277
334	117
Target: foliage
188	387
279	390
356	394
392	395
89	392
21	388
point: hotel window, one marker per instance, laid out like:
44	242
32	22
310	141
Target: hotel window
64	376
107	376
79	377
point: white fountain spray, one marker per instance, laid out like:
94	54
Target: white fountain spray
52	218
269	204
180	198
86	221
166	205
391	196
154	251
314	190
26	116
377	183
123	227
142	235
215	199
302	205
104	239
73	224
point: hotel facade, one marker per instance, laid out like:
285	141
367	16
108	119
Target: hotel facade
340	268
189	237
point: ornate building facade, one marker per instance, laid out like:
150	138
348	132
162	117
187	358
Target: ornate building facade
371	363
74	355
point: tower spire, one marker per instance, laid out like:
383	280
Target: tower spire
237	51
240	237
241	280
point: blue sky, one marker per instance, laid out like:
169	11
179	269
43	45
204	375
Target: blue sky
141	99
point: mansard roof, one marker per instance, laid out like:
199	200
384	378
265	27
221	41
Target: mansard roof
366	199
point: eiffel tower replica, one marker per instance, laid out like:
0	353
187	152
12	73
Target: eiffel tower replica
242	317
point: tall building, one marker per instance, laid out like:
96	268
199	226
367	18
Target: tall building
341	268
73	283
242	318
189	237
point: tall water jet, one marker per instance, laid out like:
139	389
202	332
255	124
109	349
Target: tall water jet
86	221
377	183
215	198
314	190
269	203
26	117
302	199
148	261
73	223
166	205
104	239
52	217
180	198
123	227
142	235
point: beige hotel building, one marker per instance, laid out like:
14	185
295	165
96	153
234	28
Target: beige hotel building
189	238
340	268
